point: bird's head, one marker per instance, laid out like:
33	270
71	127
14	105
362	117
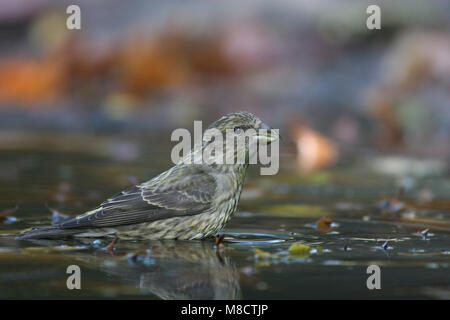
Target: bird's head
241	125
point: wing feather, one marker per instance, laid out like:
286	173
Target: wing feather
180	191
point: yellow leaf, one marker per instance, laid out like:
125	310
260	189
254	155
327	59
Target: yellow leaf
299	249
261	254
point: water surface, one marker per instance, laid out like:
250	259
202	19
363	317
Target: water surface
43	175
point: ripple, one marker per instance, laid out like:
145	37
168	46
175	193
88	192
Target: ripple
254	238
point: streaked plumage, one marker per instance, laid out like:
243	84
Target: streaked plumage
188	201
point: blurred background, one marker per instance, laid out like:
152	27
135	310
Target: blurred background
306	67
339	92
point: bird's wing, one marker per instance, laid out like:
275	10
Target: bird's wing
180	191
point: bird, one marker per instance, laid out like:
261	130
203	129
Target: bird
189	201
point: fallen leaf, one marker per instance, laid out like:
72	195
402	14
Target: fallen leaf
261	254
324	225
299	249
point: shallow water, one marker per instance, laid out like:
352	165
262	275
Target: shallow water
70	174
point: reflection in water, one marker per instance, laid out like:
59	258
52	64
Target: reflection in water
178	270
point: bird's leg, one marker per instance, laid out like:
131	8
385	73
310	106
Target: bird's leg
110	247
219	239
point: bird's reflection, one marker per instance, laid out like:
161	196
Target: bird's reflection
178	270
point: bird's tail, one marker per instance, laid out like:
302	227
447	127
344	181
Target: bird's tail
52	232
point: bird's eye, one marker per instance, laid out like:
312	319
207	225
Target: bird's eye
238	130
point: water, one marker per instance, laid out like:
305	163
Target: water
59	175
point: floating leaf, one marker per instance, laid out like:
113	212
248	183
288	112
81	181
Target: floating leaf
261	254
324	225
299	249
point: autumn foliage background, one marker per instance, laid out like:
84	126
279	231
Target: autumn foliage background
310	68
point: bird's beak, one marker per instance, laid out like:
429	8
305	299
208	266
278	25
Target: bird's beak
272	135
